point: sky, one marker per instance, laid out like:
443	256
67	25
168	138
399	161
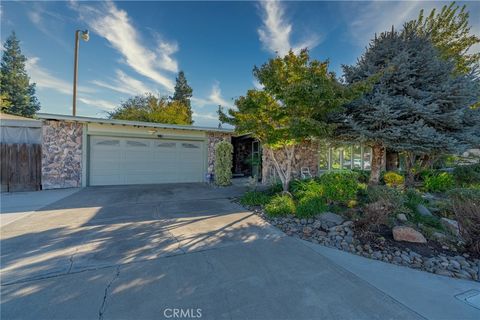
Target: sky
138	47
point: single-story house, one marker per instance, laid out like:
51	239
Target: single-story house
83	151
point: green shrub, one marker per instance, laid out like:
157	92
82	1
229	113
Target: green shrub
340	186
466	206
430	221
280	205
309	206
302	188
275	188
438	181
467	175
392	198
393	179
363	175
254	198
223	163
413	199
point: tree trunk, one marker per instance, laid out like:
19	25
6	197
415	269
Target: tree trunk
285	175
392	160
378	152
410	159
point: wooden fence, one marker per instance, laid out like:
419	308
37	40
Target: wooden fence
21	167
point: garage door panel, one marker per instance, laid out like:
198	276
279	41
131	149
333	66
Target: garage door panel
142	161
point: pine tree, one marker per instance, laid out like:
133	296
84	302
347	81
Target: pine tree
15	82
183	93
417	105
449	31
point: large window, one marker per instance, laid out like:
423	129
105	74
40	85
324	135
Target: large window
344	157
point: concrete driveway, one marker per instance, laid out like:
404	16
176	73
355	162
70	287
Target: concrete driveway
170	251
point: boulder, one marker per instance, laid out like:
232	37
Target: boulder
451	226
402	217
331	219
408	234
422	210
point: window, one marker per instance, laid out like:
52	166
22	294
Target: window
357	157
108	143
337	154
367	158
190	146
323	152
347	157
166	144
131	143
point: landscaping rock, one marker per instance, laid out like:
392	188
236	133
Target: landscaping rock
408	234
402	217
451	226
422	210
331	219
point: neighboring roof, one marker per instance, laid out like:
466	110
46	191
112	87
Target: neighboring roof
11	120
48	116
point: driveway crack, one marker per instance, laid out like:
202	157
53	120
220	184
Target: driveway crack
103	307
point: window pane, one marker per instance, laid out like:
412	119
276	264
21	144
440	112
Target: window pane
367	155
357	157
323	157
347	157
336	152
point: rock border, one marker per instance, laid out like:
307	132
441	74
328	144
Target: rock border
336	233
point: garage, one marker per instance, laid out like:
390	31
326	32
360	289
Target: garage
117	161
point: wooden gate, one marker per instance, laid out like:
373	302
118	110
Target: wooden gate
21	167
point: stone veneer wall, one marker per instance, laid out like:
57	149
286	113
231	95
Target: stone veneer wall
213	139
61	154
306	155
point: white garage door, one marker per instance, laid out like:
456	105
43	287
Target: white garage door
116	161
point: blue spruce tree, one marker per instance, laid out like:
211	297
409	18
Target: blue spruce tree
417	106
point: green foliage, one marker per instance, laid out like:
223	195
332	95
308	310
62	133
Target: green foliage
439	182
310	205
280	205
363	175
392	198
275	188
223	163
18	94
298	95
429	221
450	32
151	108
395	115
340	186
255	198
183	93
309	187
467	175
413	199
393	179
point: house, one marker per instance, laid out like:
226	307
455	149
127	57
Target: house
83	151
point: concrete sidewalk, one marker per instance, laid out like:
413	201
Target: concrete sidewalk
14	206
428	294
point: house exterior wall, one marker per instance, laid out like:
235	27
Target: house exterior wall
62	146
214	138
306	155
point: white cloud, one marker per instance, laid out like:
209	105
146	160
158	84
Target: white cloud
364	19
45	80
102	104
276	30
123	83
214	99
114	25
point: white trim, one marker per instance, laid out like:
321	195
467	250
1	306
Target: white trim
48	116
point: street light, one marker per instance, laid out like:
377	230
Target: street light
85	36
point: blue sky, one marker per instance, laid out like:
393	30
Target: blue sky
136	47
